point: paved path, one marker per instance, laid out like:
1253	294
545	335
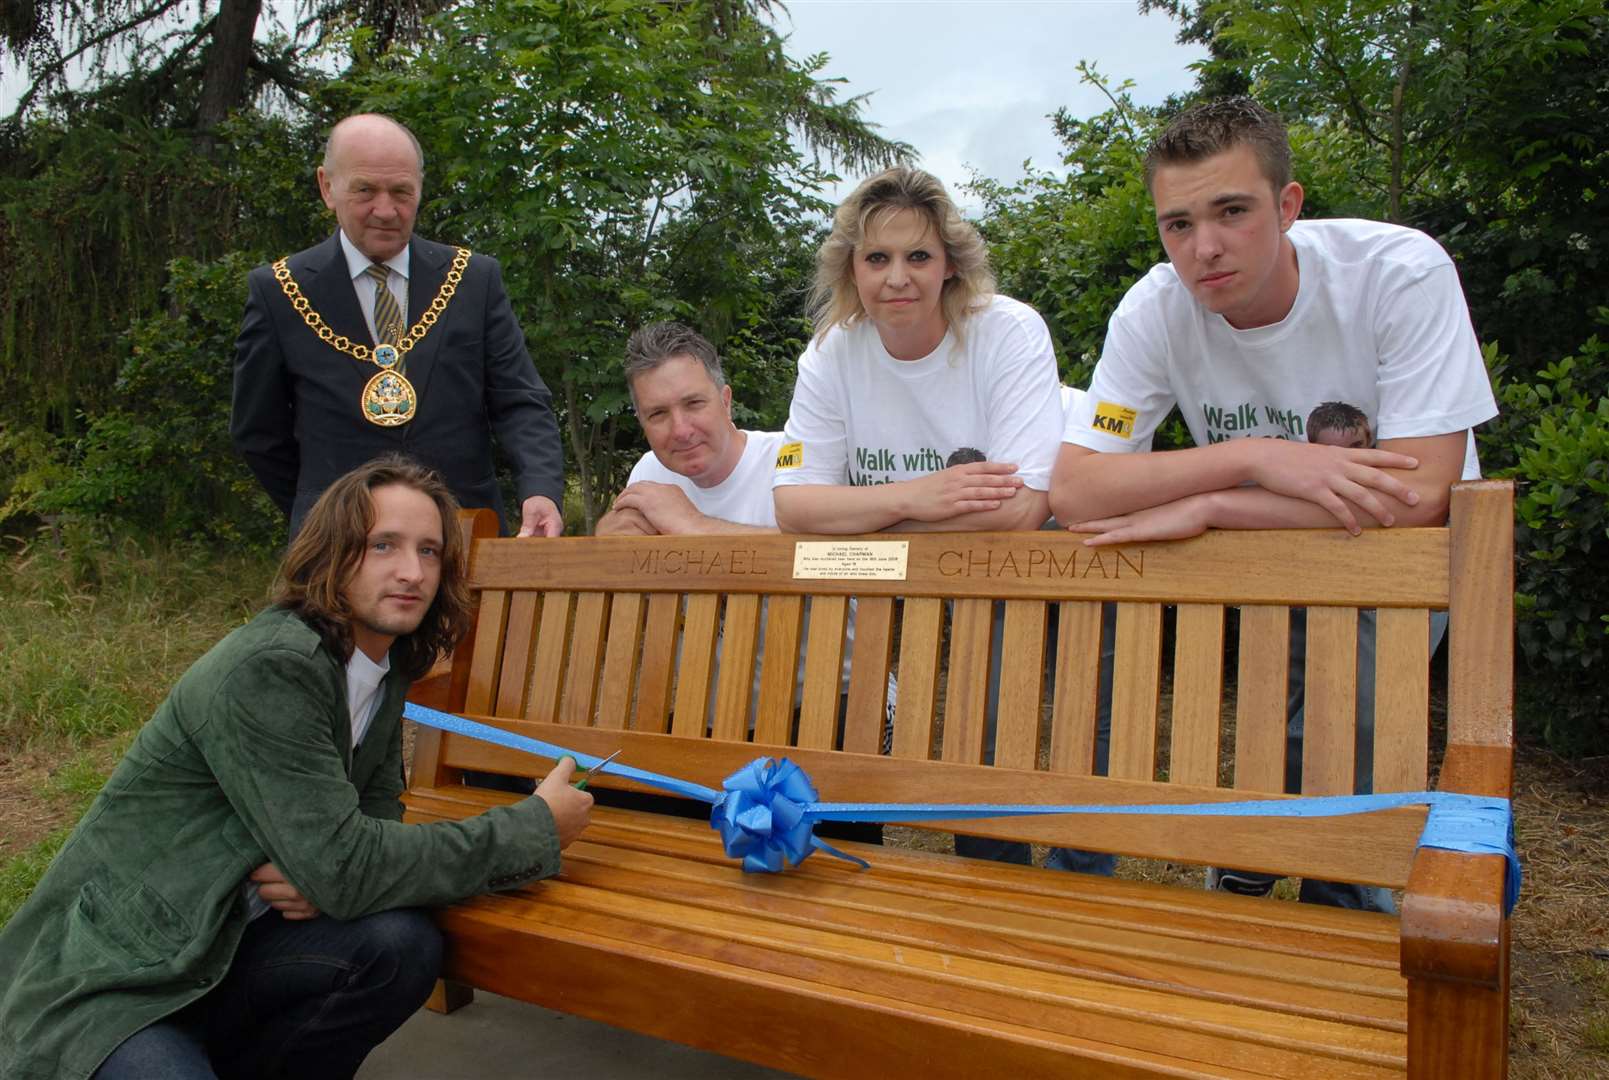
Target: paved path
498	1037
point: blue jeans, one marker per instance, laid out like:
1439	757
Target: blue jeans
304	999
1335	893
1015	851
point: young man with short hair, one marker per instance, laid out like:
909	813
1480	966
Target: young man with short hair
243	898
1256	319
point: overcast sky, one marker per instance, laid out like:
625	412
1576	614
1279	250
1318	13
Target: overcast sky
971	83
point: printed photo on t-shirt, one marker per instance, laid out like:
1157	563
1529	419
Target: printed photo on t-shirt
1339	423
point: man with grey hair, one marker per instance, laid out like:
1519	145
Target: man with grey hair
702	474
377	341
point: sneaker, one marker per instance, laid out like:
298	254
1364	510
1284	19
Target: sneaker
1238	882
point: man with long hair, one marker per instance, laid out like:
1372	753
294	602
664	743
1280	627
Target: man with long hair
242	898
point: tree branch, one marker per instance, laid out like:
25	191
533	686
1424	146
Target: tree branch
55	67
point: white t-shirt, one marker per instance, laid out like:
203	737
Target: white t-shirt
1379	322
862	417
744	497
363	679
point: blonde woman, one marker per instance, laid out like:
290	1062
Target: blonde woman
918	362
915	357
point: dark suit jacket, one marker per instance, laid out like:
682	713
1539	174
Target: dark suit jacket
297	419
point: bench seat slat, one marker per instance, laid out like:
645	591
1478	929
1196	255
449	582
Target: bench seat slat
1134	697
867	709
1330	727
1401	699
620	660
918	679
790	1023
779	670
970	952
740	630
1260	698
1197	694
902	876
695	670
1229	1035
1101	940
1072	721
966	685
586	658
1022	683
914	978
484	665
658	663
824	661
552	643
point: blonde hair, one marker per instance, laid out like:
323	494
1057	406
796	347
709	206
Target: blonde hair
834	300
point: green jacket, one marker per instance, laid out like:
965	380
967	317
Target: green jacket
248	761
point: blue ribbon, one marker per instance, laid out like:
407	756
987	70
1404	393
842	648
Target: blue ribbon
487	733
767	810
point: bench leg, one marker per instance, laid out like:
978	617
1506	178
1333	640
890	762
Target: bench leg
449	997
1456	1033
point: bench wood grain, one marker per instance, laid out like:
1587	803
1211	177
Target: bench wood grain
685	653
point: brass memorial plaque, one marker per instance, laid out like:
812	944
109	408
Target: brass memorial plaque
844	560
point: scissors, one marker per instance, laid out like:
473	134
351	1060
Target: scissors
581	784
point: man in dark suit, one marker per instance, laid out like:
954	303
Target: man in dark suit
377	342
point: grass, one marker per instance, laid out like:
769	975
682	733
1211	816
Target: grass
92	640
1595	1035
19	874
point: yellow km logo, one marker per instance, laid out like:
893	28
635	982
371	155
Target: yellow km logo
1114	419
791	456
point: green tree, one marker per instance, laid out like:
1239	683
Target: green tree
1414	79
1070	245
607	152
215	58
92	209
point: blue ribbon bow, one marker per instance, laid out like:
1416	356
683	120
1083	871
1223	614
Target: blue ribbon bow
767	810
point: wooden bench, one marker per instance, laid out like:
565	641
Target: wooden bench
934	966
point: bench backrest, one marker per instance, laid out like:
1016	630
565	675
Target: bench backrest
599	643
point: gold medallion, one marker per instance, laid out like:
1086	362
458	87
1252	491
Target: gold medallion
388	399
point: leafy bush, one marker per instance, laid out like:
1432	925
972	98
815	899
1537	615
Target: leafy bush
159	458
1555	430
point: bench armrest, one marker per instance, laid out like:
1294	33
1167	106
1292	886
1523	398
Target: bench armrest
1452	913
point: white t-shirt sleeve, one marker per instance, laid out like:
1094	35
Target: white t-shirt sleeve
1432	380
1024	412
640	471
815	449
1129	395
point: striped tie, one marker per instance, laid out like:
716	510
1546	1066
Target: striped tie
388	324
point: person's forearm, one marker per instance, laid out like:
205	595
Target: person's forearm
1096	486
1257	508
623	523
837	508
1027	509
714	526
